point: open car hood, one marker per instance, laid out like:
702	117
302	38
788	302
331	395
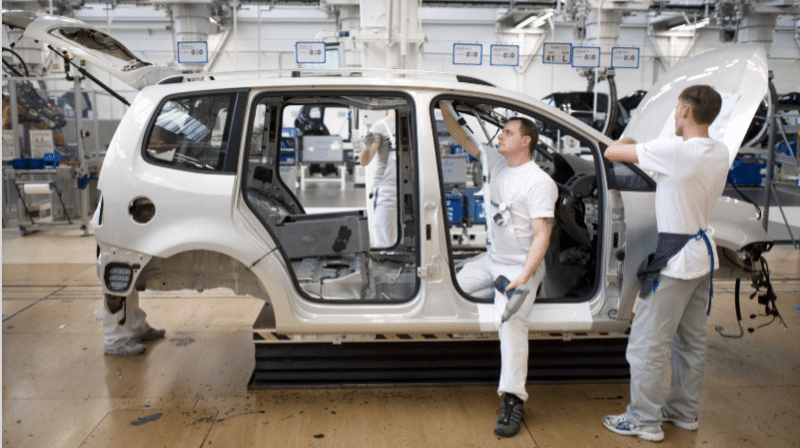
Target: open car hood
737	71
83	41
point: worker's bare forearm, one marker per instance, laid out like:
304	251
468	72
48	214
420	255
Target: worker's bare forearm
367	154
542	228
623	150
458	134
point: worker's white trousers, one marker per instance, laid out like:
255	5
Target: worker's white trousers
117	335
477	279
671	319
384	217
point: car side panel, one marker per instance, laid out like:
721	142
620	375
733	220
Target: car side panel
193	211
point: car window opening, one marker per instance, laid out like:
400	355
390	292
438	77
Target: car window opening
357	254
572	260
192	133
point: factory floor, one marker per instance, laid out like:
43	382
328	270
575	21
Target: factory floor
190	389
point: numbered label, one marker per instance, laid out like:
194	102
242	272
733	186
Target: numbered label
309	52
193	52
625	57
507	55
467	54
557	53
586	56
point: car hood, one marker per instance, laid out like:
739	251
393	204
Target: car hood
737	71
83	41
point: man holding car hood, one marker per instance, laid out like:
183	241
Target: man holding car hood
677	279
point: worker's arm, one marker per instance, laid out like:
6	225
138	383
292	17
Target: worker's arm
368	153
542	227
457	132
623	150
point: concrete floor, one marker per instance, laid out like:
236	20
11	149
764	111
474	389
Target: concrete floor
189	389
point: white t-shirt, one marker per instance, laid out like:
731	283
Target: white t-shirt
528	193
385	175
691	178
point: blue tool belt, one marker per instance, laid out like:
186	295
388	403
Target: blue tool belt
668	245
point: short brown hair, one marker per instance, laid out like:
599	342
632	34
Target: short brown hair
528	128
704	101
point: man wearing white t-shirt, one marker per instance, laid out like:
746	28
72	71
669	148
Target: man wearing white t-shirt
521	207
677	280
379	142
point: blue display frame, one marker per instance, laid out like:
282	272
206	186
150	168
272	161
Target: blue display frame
297	52
480	58
638	56
178	49
599	56
544	53
491	53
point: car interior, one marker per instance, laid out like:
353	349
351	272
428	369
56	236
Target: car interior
331	255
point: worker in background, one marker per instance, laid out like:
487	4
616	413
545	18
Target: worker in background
125	324
522	207
677	280
379	142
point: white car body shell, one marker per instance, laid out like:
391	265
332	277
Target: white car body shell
204	235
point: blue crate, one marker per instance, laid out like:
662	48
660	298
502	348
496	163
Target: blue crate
51	160
288	143
746	171
288	132
458	149
288	158
475	213
455	207
27	164
786	153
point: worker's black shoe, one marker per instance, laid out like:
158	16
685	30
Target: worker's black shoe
511	415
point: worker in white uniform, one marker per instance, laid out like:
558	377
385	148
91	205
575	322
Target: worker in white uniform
676	293
521	208
379	142
126	328
125	324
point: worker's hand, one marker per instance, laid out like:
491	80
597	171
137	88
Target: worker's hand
516	283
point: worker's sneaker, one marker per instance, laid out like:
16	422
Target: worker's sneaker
511	415
150	335
683	423
130	348
620	425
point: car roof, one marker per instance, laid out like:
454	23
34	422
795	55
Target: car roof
341	77
347	79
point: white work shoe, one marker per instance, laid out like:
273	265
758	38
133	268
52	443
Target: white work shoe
686	424
130	348
619	424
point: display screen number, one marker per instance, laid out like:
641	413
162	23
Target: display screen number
625	57
586	56
557	53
